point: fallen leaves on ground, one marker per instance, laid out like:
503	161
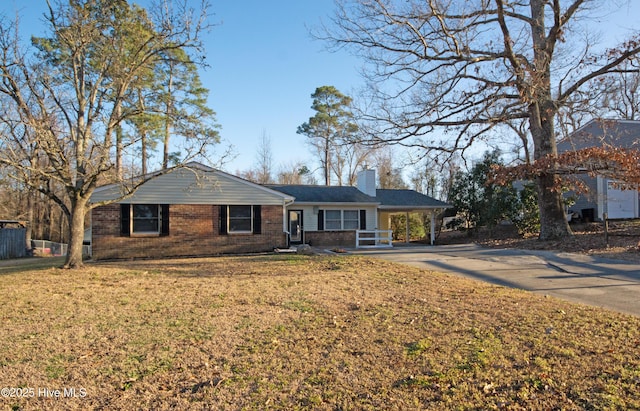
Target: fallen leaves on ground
623	242
305	332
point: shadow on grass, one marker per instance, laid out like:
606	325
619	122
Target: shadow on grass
20	265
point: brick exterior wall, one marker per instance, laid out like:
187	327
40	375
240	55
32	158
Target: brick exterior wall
193	231
330	238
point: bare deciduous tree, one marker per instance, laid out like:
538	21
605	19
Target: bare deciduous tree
295	173
62	99
264	158
443	74
618	94
262	173
349	157
389	169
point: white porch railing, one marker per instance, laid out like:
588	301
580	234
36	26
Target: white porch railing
373	238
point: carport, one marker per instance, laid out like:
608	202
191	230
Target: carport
407	202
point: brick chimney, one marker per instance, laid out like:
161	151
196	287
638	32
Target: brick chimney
367	182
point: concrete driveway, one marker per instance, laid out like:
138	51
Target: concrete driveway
607	283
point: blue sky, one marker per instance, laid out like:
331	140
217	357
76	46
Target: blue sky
264	66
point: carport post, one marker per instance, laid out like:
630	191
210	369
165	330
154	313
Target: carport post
433	227
408	230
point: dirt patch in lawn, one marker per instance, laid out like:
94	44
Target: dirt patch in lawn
304	332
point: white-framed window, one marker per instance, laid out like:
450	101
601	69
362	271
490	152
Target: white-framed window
333	220
146	218
240	218
341	219
351	219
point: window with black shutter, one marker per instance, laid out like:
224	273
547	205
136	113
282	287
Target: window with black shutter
125	220
240	219
320	220
257	219
223	220
164	218
144	219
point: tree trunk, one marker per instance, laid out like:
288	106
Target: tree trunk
38	220
167	136
51	220
553	223
169	121
143	161
542	114
119	144
76	234
30	217
61	228
327	161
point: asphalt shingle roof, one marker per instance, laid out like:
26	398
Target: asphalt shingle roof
407	198
344	194
324	194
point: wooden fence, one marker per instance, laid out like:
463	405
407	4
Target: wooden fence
13	243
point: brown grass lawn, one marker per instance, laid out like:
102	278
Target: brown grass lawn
304	332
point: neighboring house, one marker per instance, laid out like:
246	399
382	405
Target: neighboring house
604	196
198	210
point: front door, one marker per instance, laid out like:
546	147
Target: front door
295	226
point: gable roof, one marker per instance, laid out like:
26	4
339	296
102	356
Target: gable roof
617	133
325	194
199	184
407	199
386	199
194	184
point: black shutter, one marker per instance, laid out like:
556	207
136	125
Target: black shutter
164	211
320	220
363	219
257	219
125	220
223	220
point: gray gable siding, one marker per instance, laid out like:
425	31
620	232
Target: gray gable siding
192	186
617	133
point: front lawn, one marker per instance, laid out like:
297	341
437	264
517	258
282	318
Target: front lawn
303	332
